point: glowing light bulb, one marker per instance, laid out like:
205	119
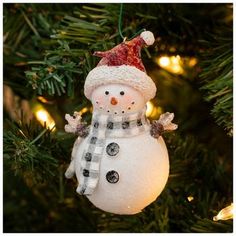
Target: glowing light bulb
42	116
175	60
149	110
176	69
192	62
225	214
83	110
153	111
172	64
164	61
176	64
190	198
44	100
45	118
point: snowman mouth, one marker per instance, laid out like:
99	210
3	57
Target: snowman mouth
115	112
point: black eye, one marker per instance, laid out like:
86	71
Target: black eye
106	92
122	93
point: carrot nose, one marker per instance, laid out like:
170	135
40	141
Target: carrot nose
114	101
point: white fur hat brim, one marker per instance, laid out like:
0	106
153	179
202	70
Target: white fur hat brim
124	74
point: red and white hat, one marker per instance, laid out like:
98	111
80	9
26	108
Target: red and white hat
123	65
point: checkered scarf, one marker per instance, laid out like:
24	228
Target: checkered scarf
102	127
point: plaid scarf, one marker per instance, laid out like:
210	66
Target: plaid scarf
103	127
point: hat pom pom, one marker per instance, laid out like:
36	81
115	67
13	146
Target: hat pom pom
148	37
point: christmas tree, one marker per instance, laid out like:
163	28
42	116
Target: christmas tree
47	55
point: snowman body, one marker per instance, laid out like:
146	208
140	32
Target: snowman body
133	169
142	165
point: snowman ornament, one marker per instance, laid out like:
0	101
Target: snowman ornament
120	161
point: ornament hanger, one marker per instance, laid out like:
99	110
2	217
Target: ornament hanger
120	26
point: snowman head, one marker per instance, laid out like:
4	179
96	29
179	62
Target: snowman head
121	65
117	99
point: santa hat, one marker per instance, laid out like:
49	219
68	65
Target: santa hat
123	65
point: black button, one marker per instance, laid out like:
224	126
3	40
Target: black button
110	125
93	140
125	125
139	122
112	177
96	124
112	149
88	156
86	173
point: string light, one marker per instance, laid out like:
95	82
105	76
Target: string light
176	64
164	61
152	111
149	110
225	214
192	62
44	100
44	117
190	198
83	110
172	63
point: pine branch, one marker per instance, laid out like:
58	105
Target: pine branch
55	73
27	29
210	226
61	67
25	151
217	76
94	27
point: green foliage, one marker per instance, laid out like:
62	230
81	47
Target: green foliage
25	29
204	225
71	60
25	151
217	77
94	27
55	74
49	47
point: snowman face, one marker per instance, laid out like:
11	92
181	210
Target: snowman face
117	99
